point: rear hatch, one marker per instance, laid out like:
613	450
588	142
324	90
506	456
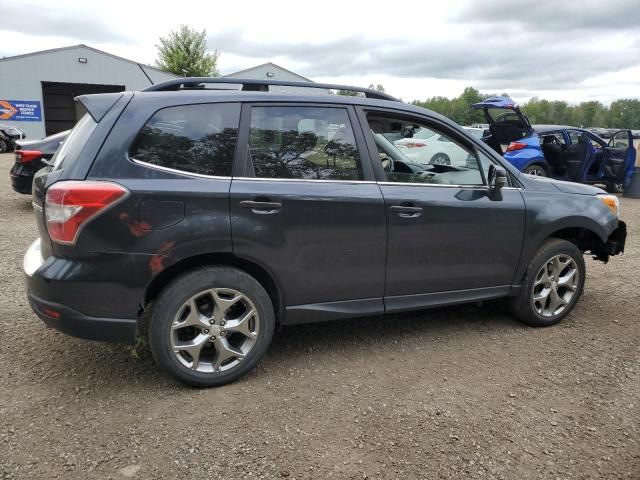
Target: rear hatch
506	122
68	153
75	155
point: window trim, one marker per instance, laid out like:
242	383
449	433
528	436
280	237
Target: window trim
243	166
363	110
161	168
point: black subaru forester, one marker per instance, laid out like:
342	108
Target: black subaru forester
205	217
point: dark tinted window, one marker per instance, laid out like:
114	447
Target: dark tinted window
315	143
192	138
70	149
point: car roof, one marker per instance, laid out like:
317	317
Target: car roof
556	128
215	96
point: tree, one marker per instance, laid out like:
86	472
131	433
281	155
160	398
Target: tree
378	86
622	113
348	93
184	52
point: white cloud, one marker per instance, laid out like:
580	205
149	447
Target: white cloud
416	49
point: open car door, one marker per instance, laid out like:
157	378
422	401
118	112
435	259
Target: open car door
506	122
620	158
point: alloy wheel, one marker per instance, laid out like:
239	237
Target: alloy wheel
214	330
555	285
537	172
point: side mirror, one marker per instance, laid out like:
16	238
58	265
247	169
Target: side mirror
497	178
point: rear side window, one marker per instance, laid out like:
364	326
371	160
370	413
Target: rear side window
70	148
191	138
311	143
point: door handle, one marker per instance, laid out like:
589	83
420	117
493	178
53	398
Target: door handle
261	207
407	211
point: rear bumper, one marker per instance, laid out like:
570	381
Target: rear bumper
79	325
21	182
94	298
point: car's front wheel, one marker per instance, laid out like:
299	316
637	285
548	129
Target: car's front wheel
211	326
552	284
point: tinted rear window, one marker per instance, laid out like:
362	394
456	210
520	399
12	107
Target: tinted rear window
191	138
72	145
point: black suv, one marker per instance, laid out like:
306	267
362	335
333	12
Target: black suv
206	217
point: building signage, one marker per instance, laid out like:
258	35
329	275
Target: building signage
20	110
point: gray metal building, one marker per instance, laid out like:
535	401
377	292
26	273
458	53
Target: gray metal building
37	89
271	71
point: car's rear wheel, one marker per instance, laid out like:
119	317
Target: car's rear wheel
211	326
615	187
552	284
4	146
536	171
440	159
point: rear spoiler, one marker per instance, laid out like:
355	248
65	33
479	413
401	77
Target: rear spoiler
97	105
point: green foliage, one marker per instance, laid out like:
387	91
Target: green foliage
623	113
457	109
184	52
347	93
350	93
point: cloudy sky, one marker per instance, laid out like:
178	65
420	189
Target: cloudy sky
571	50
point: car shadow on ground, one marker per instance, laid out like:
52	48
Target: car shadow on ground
351	337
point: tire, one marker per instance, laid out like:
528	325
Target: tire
4	146
614	187
224	354
440	159
536	170
541	312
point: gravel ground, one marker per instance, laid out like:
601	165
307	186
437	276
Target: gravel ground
452	393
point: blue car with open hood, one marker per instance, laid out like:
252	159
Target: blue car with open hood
561	152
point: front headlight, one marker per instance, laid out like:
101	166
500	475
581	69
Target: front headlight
612	202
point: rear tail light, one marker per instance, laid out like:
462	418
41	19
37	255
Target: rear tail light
70	205
516	146
26	156
415	144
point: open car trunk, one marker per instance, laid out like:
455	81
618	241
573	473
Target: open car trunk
506	122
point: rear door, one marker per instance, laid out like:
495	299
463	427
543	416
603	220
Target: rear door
306	207
620	157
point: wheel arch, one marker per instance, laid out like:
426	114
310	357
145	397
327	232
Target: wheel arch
257	271
583	232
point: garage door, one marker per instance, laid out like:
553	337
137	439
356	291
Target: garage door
60	111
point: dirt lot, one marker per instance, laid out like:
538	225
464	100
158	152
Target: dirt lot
456	393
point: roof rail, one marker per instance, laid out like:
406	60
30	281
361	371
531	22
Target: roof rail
198	83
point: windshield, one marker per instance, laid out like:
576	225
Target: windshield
71	147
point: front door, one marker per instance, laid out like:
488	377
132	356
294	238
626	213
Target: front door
449	238
620	157
308	210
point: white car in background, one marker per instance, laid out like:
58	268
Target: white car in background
428	147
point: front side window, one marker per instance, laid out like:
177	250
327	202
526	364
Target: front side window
434	157
191	138
312	143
